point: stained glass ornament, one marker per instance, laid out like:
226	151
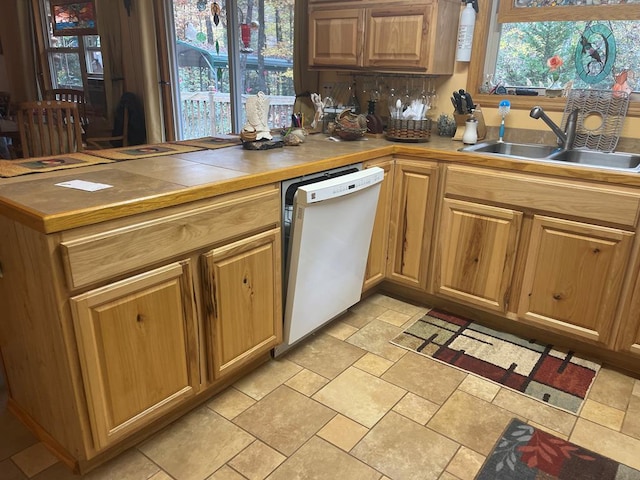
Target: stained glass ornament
595	53
201	5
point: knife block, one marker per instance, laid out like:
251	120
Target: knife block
461	124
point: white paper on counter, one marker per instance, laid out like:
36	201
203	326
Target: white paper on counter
84	185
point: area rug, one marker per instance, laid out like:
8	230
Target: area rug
143	151
526	453
212	143
552	375
14	168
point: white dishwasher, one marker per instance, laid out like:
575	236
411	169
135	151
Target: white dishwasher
328	248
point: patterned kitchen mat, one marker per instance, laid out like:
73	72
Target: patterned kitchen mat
211	143
143	151
552	375
527	453
14	168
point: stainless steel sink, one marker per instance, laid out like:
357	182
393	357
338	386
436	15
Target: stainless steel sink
525	150
533	151
598	159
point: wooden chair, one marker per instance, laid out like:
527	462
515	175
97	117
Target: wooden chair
99	140
49	128
70	95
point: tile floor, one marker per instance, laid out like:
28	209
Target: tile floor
347	404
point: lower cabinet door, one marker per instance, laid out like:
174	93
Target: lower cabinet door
475	254
243	300
137	348
573	277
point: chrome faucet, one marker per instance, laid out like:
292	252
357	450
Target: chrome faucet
567	138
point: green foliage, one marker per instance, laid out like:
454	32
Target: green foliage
525	47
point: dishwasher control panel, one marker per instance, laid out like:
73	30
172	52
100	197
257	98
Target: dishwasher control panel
339	186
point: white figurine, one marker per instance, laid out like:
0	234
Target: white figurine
257	108
319	107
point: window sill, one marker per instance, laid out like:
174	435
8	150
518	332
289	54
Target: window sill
523	102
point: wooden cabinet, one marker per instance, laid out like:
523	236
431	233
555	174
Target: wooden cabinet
573	277
566	271
335	37
137	346
375	270
106	327
242	298
412	213
475	253
397	35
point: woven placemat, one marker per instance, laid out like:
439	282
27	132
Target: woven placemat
144	151
14	168
212	143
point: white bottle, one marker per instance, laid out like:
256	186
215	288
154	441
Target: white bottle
470	135
465	33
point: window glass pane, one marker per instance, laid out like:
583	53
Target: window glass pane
566	3
92	41
525	49
66	67
94	62
265	40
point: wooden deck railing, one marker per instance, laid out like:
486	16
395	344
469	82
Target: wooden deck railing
209	113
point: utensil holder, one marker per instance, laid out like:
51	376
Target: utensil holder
461	120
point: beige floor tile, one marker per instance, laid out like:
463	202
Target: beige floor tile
196	445
307	382
230	403
373	364
267	378
15	437
374	337
257	461
605	441
399	447
226	473
527	408
285	419
363	313
547	429
325	355
339	330
631	424
636	388
398	305
425	377
479	387
472	422
9	471
360	396
465	464
612	388
447	476
319	460
343	432
60	471
602	414
34	459
416	408
394	318
131	465
161	475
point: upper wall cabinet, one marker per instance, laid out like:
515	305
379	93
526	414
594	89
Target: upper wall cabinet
391	36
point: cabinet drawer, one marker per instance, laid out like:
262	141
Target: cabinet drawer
99	253
596	203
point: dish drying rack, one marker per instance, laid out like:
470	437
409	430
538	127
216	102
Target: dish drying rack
600	119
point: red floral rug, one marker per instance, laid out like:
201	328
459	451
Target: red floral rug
553	375
526	453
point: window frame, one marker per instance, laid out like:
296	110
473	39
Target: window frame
507	13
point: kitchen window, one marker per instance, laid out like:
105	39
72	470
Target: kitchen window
519	36
72	59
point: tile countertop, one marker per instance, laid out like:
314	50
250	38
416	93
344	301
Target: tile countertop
149	184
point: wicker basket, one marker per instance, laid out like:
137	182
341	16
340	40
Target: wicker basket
409	130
